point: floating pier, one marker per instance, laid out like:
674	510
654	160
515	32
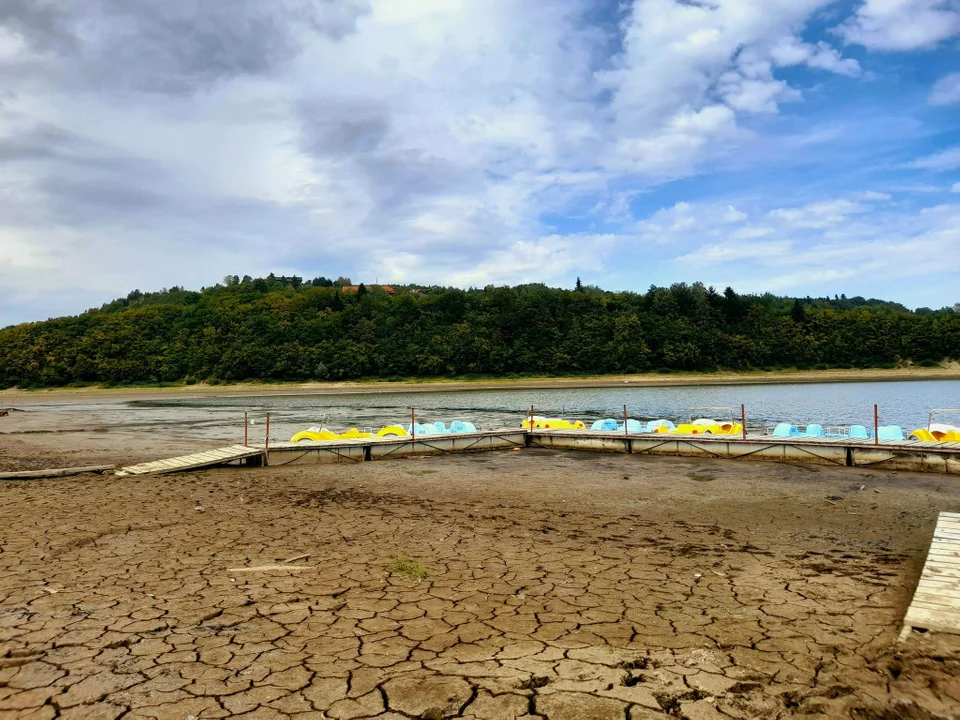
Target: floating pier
890	455
936	602
360	450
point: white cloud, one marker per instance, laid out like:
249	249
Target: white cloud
732	215
902	24
548	259
946	91
678	60
948	159
955	188
818	215
871	195
790	50
668	224
805	257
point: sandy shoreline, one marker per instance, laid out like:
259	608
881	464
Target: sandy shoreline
14	396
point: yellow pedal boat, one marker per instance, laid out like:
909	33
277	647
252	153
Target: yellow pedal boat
938	431
324	435
544	423
705	425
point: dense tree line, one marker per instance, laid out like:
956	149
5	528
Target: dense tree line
289	329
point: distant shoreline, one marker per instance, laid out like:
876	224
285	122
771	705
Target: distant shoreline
252	389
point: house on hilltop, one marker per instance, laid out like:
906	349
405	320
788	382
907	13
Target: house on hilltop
353	288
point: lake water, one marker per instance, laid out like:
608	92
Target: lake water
901	403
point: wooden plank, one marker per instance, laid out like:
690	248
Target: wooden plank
946	540
936	562
933	620
944	544
935	615
270	568
942	590
941	574
936	598
940	547
942	612
53	472
215	456
939	581
936	601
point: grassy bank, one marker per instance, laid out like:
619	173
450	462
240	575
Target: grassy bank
90	392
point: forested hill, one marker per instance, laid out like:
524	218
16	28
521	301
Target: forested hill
286	329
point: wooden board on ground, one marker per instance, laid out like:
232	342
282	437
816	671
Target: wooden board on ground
53	472
206	458
936	601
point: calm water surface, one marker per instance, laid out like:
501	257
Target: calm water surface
901	403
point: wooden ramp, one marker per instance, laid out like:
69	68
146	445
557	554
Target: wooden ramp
936	602
208	458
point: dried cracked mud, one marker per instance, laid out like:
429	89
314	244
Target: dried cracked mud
558	586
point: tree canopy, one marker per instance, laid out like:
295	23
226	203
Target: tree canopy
285	328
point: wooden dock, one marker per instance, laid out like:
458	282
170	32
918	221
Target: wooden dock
936	602
208	458
850	452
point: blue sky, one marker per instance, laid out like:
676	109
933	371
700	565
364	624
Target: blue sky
803	147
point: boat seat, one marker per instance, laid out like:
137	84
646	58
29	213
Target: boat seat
814	431
890	432
784	430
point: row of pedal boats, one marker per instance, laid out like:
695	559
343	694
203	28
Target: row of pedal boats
698	424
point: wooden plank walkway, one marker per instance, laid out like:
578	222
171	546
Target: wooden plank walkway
936	602
207	458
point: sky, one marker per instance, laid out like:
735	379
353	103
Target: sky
801	147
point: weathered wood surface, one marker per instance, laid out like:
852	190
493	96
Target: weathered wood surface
53	472
206	458
936	601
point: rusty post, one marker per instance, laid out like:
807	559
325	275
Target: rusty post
743	421
530	429
876	425
625	431
246	425
413	424
266	444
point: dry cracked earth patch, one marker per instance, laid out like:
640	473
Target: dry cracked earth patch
558	586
